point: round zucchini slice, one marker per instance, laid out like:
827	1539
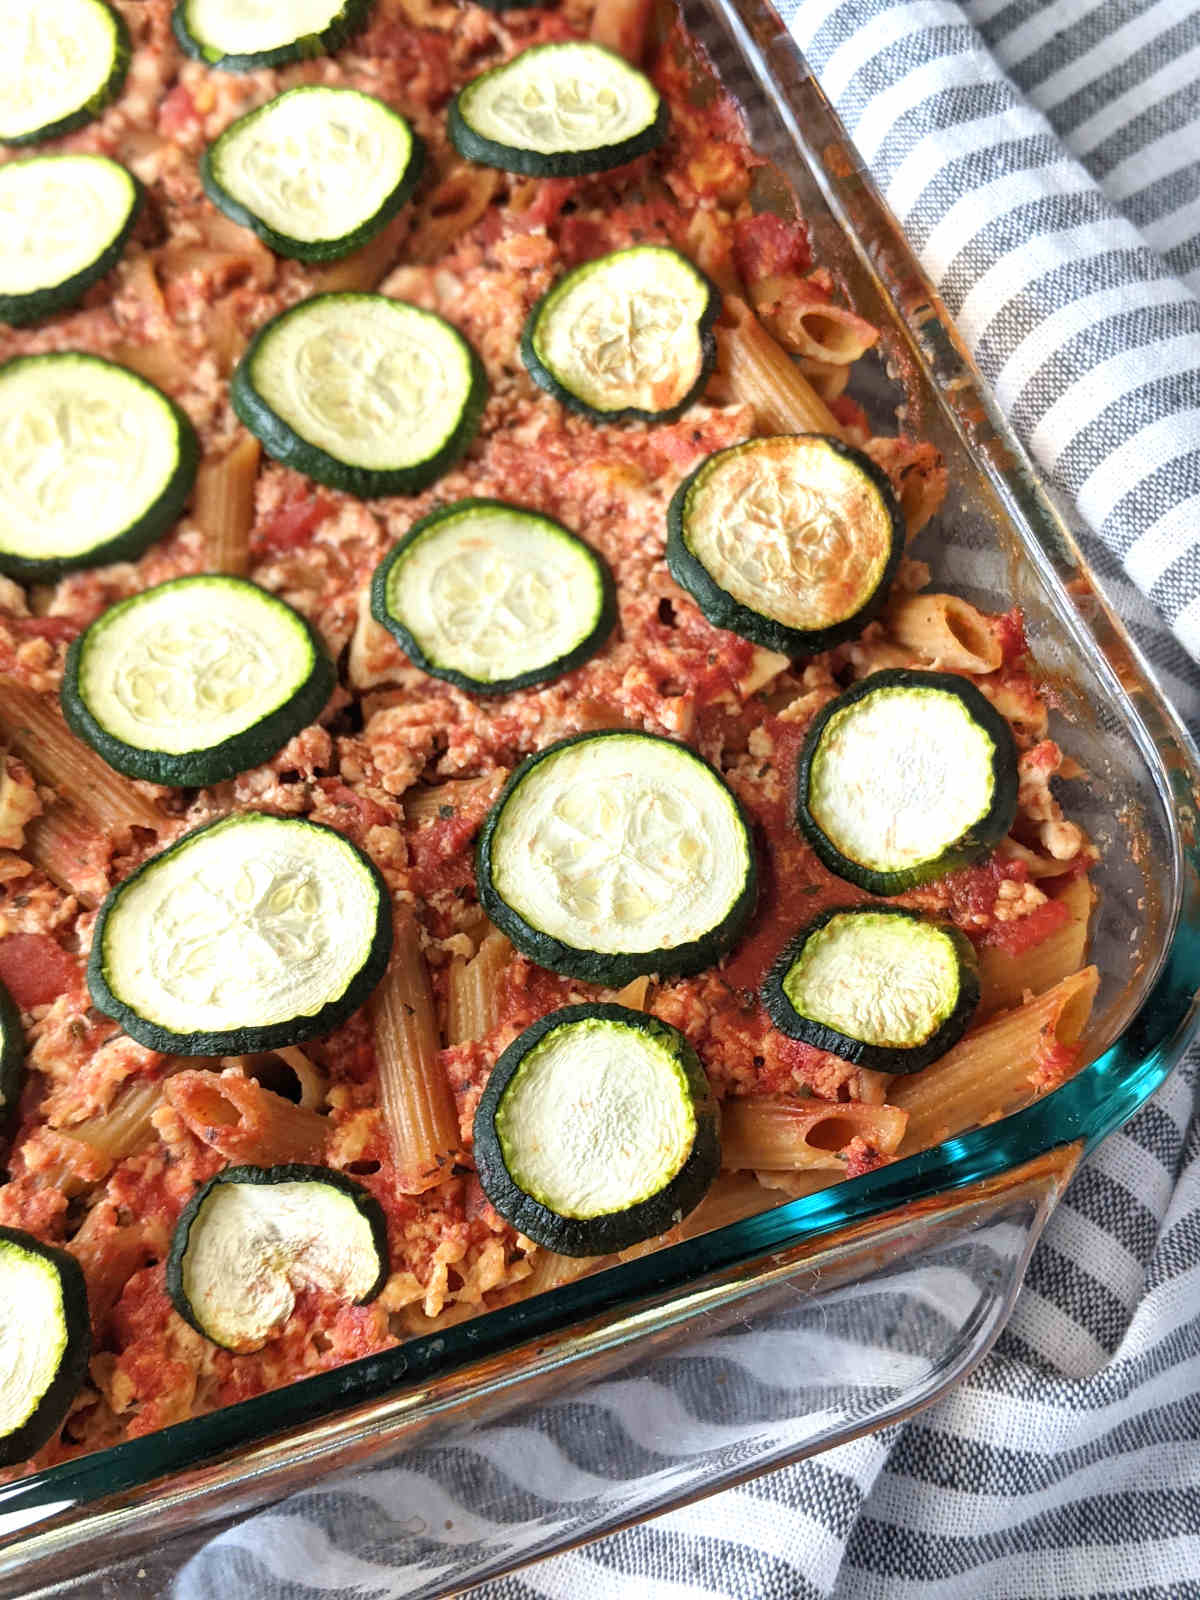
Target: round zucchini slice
368	395
612	854
905	777
236	36
12	1057
316	172
61	63
597	1129
877	985
627	336
96	464
45	1341
195	680
492	597
790	541
558	111
251	932
65	220
253	1238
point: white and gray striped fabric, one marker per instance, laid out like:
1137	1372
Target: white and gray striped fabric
1044	157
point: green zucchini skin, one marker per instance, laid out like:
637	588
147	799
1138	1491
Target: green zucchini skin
103	97
239	1041
477	147
878	1058
351	19
12	1059
963	852
615	1230
156	520
724	611
290	1172
198	768
49	1414
18	310
615	969
284	444
306	249
583	651
546	380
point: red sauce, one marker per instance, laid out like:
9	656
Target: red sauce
292	525
766	246
1017	937
35	970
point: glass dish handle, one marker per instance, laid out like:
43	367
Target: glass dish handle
572	1435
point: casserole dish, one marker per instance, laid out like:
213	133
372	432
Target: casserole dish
947	1231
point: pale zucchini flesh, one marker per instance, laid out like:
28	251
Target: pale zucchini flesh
370	395
64	220
493	597
95	463
195	680
316	171
44	1341
597	1129
625	336
904	777
246	35
613	854
249	932
253	1238
61	62
558	110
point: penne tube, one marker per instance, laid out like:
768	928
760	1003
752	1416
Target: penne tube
414	1093
1005	979
427	805
224	505
786	1135
363	269
70	852
475	990
244	1121
455	205
551	1271
633	994
828	378
998	1065
35	731
126	1127
763	376
806	321
944	631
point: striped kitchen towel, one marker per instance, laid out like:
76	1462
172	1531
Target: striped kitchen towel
1044	158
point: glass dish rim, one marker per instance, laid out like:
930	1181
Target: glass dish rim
1089	1106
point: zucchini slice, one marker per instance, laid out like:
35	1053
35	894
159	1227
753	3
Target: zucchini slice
45	1341
492	597
558	111
245	35
248	933
12	1057
195	680
368	395
95	464
61	63
612	854
877	985
790	541
65	220
905	777
597	1129
627	336
253	1238
316	172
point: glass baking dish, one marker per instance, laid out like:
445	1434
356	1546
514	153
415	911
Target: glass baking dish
553	1420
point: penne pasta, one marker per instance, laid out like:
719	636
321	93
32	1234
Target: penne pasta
998	1065
805	320
633	994
455	205
35	731
475	990
446	799
622	25
551	1271
786	1135
366	268
828	378
944	631
414	1094
126	1127
70	852
763	376
224	504
1005	979
243	1121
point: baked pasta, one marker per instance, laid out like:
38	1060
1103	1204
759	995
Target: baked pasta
487	789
